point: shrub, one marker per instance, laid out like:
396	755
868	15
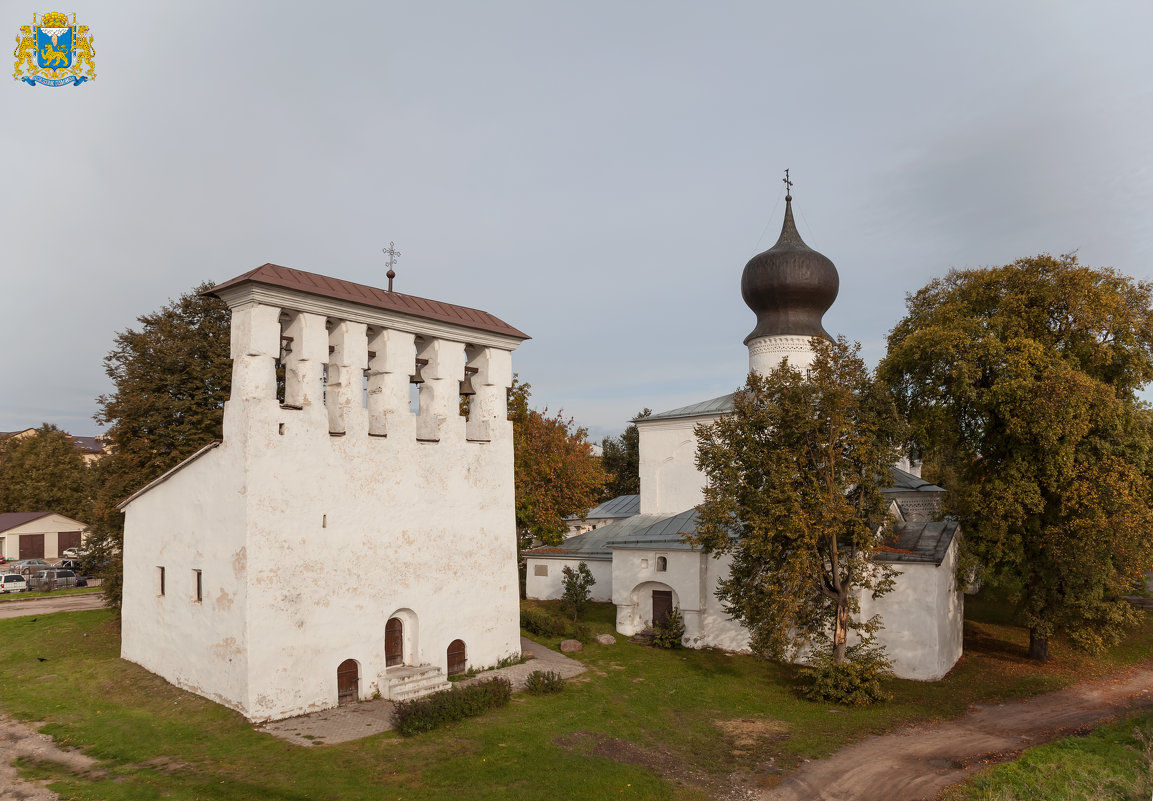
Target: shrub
579	631
578	585
542	624
448	706
668	634
541	682
855	682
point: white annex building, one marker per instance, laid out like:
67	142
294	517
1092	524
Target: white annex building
639	559
336	543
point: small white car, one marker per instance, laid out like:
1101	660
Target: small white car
13	582
73	553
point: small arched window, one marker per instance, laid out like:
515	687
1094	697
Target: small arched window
662	564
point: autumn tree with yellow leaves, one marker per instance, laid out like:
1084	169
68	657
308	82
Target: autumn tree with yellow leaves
1020	383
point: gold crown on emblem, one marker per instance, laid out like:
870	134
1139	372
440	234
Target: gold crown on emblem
54	19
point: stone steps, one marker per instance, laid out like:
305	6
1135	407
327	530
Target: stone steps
406	683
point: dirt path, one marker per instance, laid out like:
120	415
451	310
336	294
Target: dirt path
46	606
919	761
18	740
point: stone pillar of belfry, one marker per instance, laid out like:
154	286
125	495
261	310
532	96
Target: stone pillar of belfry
488	409
390	369
255	347
344	395
439	417
304	367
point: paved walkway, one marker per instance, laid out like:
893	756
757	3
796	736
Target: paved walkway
354	721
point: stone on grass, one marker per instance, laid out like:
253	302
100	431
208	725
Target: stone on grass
606	639
569	646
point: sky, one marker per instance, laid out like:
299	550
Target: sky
596	174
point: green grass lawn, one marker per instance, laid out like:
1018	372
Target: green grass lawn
641	723
1114	763
35	596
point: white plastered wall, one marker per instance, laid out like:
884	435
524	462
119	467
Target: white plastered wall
923	618
550	587
192	521
670	481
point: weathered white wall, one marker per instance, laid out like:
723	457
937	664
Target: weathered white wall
195	520
923	618
345	515
551	587
670	481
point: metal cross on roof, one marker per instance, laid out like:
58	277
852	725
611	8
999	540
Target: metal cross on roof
788	184
393	254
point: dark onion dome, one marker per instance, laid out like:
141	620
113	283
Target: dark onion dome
789	286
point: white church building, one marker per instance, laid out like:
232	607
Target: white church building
337	543
641	562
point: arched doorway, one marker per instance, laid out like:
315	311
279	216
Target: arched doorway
347	682
662	606
393	642
457	659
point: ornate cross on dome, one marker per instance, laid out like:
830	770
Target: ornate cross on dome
788	185
393	254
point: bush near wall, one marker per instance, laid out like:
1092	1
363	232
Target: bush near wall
541	682
448	706
542	624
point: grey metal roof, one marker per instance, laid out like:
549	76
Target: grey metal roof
721	405
667	532
907	482
594	544
919	542
620	506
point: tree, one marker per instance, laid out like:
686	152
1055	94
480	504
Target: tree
578	584
44	472
621	458
1021	382
556	473
795	475
171	379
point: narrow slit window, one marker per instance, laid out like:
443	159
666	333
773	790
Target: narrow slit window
159	580
198	582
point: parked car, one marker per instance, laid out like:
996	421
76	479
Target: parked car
26	567
74	553
70	564
13	582
52	580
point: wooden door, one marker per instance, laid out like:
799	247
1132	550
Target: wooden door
31	546
662	606
66	540
347	682
393	642
457	661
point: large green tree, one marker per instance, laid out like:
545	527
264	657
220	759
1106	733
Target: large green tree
44	472
795	475
621	458
171	377
556	473
1020	383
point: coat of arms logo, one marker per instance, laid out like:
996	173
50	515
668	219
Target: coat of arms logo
54	52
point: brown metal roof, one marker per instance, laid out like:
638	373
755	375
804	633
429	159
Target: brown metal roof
10	520
288	278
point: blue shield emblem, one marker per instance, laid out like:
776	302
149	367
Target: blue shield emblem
54	48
